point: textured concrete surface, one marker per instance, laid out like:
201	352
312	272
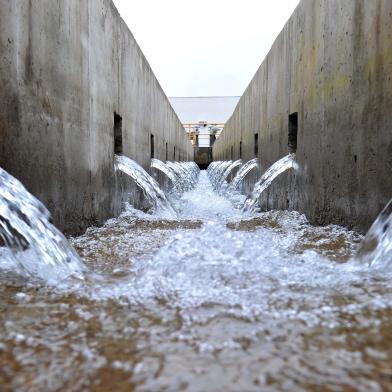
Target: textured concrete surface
65	68
332	63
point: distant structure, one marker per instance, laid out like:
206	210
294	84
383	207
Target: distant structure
204	117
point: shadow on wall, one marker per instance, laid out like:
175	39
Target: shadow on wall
203	157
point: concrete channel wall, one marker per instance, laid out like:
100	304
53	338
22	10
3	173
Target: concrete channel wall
332	64
66	68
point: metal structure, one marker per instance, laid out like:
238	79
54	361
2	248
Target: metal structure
203	133
204	117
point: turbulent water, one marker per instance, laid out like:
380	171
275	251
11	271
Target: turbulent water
376	248
26	235
168	171
245	169
217	170
150	187
279	167
187	174
226	173
212	301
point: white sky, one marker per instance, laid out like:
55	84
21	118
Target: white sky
205	47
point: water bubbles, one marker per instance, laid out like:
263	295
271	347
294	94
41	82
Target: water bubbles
376	248
245	169
183	175
222	177
219	171
150	187
279	167
209	293
33	246
23	297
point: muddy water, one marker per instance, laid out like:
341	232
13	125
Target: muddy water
214	301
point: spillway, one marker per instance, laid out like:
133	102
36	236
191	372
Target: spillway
123	267
260	301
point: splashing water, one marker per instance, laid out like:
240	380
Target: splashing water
279	167
226	173
168	171
211	167
211	298
245	169
231	190
234	293
376	248
217	172
192	171
186	173
150	187
31	244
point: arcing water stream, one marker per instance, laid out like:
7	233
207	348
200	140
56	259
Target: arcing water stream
279	167
214	299
245	169
31	244
150	187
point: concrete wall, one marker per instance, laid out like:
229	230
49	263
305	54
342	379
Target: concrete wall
65	67
332	63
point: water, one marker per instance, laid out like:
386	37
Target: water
245	169
150	187
216	173
31	244
376	248
187	174
213	299
226	173
168	171
183	175
192	172
279	167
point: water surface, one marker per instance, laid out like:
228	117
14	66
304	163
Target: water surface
216	300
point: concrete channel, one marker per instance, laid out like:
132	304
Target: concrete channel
125	267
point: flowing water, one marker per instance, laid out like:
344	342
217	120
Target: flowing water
186	172
226	173
376	248
150	187
217	171
26	235
168	171
245	169
279	167
214	300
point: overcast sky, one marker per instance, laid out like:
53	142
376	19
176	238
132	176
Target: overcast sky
205	47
